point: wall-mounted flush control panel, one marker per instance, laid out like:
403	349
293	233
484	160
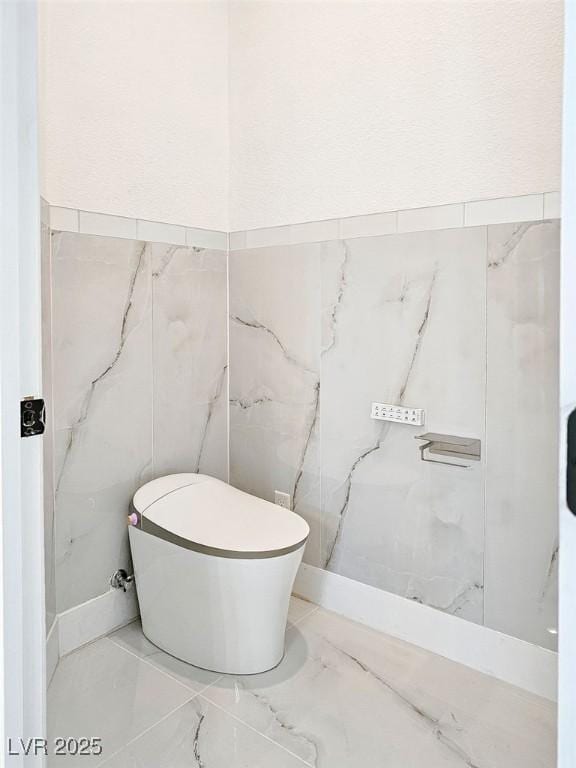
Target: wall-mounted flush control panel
398	413
283	499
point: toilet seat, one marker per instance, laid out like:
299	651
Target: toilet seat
204	514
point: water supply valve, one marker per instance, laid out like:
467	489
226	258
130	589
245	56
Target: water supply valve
121	580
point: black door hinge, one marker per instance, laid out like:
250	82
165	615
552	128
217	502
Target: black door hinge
32	416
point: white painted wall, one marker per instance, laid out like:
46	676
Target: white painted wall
344	107
134	108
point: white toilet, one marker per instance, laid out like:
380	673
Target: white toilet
214	569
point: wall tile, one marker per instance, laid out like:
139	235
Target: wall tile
522	423
140	389
552	205
237	240
504	209
404	324
102	332
156	232
308	232
367	319
274	377
64	219
44	212
106	225
367	226
207	238
190	360
434	217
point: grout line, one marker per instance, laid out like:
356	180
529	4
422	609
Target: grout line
82	647
151	292
228	379
199	694
161	671
252	728
216	680
145	731
484	457
159	650
308	613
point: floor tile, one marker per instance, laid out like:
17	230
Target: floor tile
201	735
344	696
132	639
299	608
103	691
348	696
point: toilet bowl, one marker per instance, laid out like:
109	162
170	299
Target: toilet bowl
214	569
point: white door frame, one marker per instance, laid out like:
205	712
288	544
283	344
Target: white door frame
22	609
567	559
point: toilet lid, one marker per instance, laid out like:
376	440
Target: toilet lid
202	513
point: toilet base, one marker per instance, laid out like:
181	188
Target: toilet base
224	614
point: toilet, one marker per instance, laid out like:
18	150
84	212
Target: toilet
214	569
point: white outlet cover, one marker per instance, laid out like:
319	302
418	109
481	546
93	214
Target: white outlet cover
283	499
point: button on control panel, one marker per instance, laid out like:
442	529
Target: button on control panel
398	413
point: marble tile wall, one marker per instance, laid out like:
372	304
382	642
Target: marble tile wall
319	331
522	418
139	389
406	326
190	380
275	335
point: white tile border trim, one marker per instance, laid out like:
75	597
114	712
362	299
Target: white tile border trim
52	650
64	219
514	661
155	232
435	217
552	205
372	224
207	238
107	225
475	213
95	618
504	210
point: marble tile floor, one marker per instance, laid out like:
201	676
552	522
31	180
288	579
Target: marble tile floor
344	696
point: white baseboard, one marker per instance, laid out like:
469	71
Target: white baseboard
486	650
95	618
52	650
